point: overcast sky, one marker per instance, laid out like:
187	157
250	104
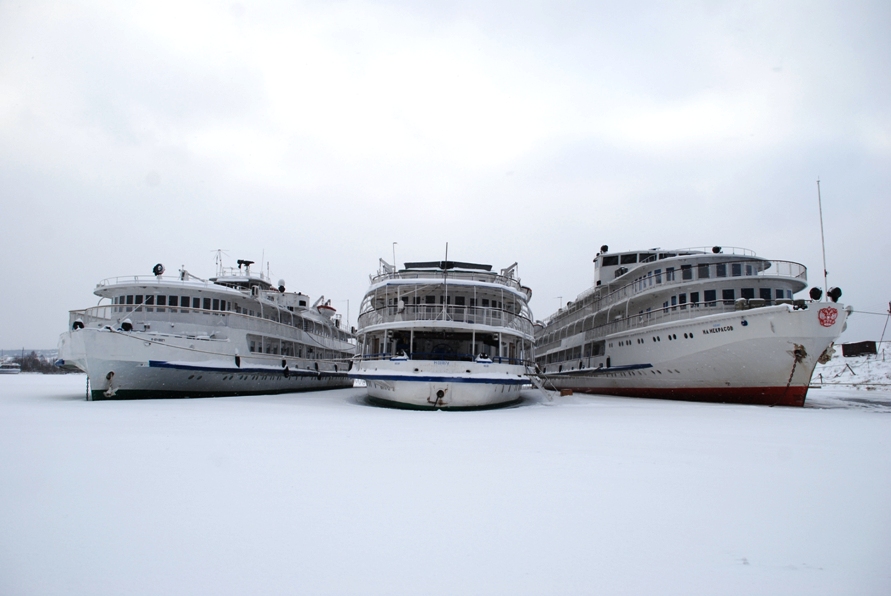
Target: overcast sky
317	134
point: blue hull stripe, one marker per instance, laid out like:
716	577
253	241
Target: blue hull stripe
245	371
430	379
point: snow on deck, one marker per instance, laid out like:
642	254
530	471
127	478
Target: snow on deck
317	493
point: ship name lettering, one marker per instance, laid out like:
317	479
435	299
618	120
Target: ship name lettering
718	329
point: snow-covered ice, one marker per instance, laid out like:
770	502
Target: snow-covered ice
317	493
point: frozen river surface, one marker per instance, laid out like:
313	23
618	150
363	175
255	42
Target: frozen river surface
320	494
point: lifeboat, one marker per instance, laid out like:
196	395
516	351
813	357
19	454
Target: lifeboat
326	310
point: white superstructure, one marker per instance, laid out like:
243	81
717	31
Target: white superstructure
695	324
445	335
10	368
182	336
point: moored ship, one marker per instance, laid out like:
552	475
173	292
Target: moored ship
445	335
10	368
719	325
183	336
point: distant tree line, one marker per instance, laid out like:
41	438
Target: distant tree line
34	363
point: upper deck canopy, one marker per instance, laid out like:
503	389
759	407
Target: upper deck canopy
447	265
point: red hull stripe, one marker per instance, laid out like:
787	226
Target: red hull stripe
766	396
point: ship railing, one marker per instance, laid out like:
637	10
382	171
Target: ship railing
674	313
710	271
725	250
148	280
692	311
474	315
144	316
449	357
93	316
438	277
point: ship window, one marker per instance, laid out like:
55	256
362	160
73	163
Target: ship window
780	294
728	296
207	304
429	299
789	294
764	293
302	303
485	302
703	271
216	304
162	300
687	271
459	300
669	274
694	298
666	255
735	269
674	301
646	257
196	302
747	293
682	300
710	296
149	299
626	259
665	305
658	274
138	299
721	270
610	261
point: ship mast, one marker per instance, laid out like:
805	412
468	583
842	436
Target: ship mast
822	241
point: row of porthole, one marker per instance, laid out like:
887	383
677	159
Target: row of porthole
656	338
641	373
246	377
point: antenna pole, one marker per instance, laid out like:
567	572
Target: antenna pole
445	279
822	241
394	257
881	339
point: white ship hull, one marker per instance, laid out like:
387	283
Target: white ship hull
432	384
759	356
445	335
124	365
